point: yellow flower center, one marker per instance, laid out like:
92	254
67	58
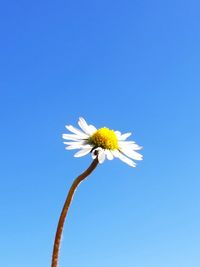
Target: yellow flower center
104	138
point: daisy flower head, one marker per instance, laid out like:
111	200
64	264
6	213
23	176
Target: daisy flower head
103	143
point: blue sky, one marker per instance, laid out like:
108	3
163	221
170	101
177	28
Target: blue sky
131	66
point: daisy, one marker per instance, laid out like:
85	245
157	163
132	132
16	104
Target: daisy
102	143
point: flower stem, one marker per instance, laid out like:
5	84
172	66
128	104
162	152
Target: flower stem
66	206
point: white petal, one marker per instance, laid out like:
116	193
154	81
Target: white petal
73	147
135	147
129	145
109	154
92	129
72	137
131	153
93	155
77	146
95	152
101	156
76	131
123	158
126	142
124	136
84	126
82	152
75	142
118	134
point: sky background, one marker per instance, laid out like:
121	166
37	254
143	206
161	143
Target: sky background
128	65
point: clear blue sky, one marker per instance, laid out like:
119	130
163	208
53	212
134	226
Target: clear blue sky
131	66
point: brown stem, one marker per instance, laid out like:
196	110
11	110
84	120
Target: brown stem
66	206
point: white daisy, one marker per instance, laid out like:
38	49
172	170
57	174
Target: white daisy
102	143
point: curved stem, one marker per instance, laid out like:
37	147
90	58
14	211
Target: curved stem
66	206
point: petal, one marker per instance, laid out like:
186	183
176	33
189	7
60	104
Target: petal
82	152
101	156
76	131
92	129
73	147
77	146
131	153
95	152
84	126
135	147
126	142
123	158
129	145
109	154
124	136
72	137
75	142
93	155
118	134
